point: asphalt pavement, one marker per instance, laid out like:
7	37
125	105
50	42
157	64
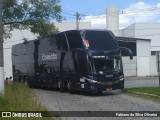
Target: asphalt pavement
107	101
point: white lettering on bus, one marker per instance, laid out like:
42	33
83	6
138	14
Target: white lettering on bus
49	57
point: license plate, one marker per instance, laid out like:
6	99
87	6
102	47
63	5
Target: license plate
109	89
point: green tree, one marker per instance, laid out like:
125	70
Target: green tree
36	15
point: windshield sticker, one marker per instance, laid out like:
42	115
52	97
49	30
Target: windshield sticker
86	43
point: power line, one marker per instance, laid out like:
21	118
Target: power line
69	17
138	10
65	13
101	15
121	12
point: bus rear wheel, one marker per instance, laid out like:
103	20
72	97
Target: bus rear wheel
70	87
28	83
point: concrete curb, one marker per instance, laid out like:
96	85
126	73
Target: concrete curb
141	78
140	93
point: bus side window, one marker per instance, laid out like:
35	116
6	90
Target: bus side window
74	39
61	42
53	43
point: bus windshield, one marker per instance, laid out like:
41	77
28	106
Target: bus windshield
99	40
107	66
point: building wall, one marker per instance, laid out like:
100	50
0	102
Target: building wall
140	64
149	31
143	58
153	66
16	38
128	31
72	25
145	31
7	63
130	66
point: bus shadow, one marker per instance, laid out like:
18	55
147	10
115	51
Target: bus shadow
103	94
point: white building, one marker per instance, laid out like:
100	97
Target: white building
18	35
112	20
72	25
16	38
140	65
147	36
146	31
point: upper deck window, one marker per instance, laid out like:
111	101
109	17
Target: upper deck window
74	39
61	42
99	40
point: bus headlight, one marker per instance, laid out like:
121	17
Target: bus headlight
93	81
121	78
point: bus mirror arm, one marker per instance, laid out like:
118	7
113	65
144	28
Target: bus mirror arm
129	51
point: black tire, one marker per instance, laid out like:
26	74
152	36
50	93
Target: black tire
29	84
61	85
99	92
70	87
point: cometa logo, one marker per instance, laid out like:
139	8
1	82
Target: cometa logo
49	57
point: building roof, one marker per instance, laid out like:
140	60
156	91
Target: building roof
130	39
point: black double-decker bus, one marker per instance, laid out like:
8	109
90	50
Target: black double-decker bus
74	60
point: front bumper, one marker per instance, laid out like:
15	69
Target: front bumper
104	86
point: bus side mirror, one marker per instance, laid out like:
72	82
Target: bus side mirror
129	51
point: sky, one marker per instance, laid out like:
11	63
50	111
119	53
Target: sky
130	11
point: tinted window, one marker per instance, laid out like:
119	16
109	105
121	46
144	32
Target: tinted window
53	43
46	45
100	40
74	39
61	41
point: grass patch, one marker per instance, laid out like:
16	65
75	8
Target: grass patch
149	90
19	97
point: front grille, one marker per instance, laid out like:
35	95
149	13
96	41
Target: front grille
108	83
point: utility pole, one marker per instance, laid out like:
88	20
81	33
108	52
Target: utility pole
1	53
77	20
